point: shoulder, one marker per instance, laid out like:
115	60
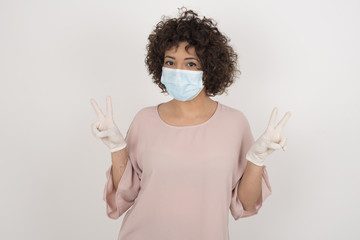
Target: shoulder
145	111
141	120
236	120
145	114
233	113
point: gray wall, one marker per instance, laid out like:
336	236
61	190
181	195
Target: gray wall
301	56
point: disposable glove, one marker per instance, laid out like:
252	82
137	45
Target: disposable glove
106	129
269	141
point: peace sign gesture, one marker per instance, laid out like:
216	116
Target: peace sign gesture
269	141
106	129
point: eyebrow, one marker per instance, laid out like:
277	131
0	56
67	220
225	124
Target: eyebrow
188	58
191	58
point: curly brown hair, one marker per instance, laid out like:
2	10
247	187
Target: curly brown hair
217	58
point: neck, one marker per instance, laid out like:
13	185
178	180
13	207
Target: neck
193	108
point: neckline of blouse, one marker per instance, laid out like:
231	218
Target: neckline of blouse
189	126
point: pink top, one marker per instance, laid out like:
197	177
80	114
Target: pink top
181	181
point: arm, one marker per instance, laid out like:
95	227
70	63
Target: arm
119	161
249	190
250	186
121	190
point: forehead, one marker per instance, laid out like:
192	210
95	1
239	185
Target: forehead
181	49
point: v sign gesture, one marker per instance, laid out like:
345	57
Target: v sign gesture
106	129
269	141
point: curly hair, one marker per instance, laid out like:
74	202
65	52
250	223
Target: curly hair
217	57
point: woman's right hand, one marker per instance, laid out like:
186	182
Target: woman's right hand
106	129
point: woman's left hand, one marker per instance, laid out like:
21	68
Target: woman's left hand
269	141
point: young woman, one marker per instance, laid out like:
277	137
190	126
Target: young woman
186	162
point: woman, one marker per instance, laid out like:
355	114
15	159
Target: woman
185	163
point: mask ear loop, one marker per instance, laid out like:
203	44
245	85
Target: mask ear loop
204	80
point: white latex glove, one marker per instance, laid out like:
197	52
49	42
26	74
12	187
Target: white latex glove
106	129
269	141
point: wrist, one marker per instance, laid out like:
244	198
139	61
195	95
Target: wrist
255	159
119	158
119	147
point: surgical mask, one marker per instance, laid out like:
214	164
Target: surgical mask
183	85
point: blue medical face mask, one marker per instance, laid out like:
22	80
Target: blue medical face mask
183	85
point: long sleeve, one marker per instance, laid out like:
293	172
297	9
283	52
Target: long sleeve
182	179
236	208
117	202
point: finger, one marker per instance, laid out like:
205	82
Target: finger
274	146
102	134
109	111
98	111
269	151
283	143
94	128
283	121
272	119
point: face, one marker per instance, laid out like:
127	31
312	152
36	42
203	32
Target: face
179	58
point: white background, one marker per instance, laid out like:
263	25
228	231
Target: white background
301	56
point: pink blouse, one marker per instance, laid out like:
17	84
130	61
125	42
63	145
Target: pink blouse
181	181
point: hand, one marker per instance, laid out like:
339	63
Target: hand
106	129
269	141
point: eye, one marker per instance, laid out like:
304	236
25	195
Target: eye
192	64
170	63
